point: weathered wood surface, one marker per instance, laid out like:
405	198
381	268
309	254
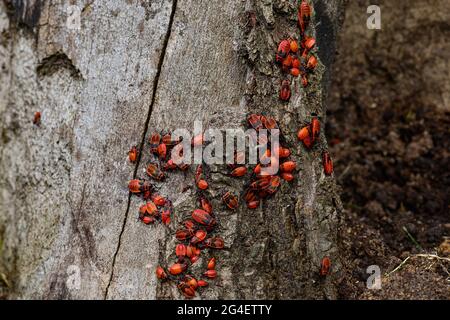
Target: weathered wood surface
133	67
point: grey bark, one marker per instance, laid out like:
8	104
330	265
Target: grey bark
132	68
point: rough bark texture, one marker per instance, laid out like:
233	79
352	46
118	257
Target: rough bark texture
135	67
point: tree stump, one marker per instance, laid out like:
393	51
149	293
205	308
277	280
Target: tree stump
68	226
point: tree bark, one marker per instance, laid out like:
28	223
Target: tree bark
134	67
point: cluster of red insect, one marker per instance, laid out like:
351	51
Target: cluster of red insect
187	284
294	60
193	238
156	206
268	172
309	134
197	232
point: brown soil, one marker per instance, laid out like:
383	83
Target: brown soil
389	130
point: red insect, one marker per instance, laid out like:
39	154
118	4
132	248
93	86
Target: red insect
315	128
202	283
199	236
142	210
154	172
211	274
249	195
202	184
304	15
275	182
189	224
161	273
158	200
206	205
203	217
230	200
287	63
166	215
239	171
304	80
287	176
212	263
260	184
37	118
327	163
140	186
285	91
167	140
170	165
191	281
308	142
145	217
295	72
215	243
146	189
154	142
148	220
270	123
255	122
283	50
288	166
293	46
263	118
312	63
194	259
308	43
190	251
325	266
253	204
134	186
133	154
186	290
150	208
162	151
303	133
183	234
180	250
284	153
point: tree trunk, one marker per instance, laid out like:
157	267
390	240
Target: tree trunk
134	67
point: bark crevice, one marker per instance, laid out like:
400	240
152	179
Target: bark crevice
141	146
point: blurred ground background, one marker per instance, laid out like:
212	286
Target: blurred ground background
389	129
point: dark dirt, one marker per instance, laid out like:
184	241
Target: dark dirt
389	129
